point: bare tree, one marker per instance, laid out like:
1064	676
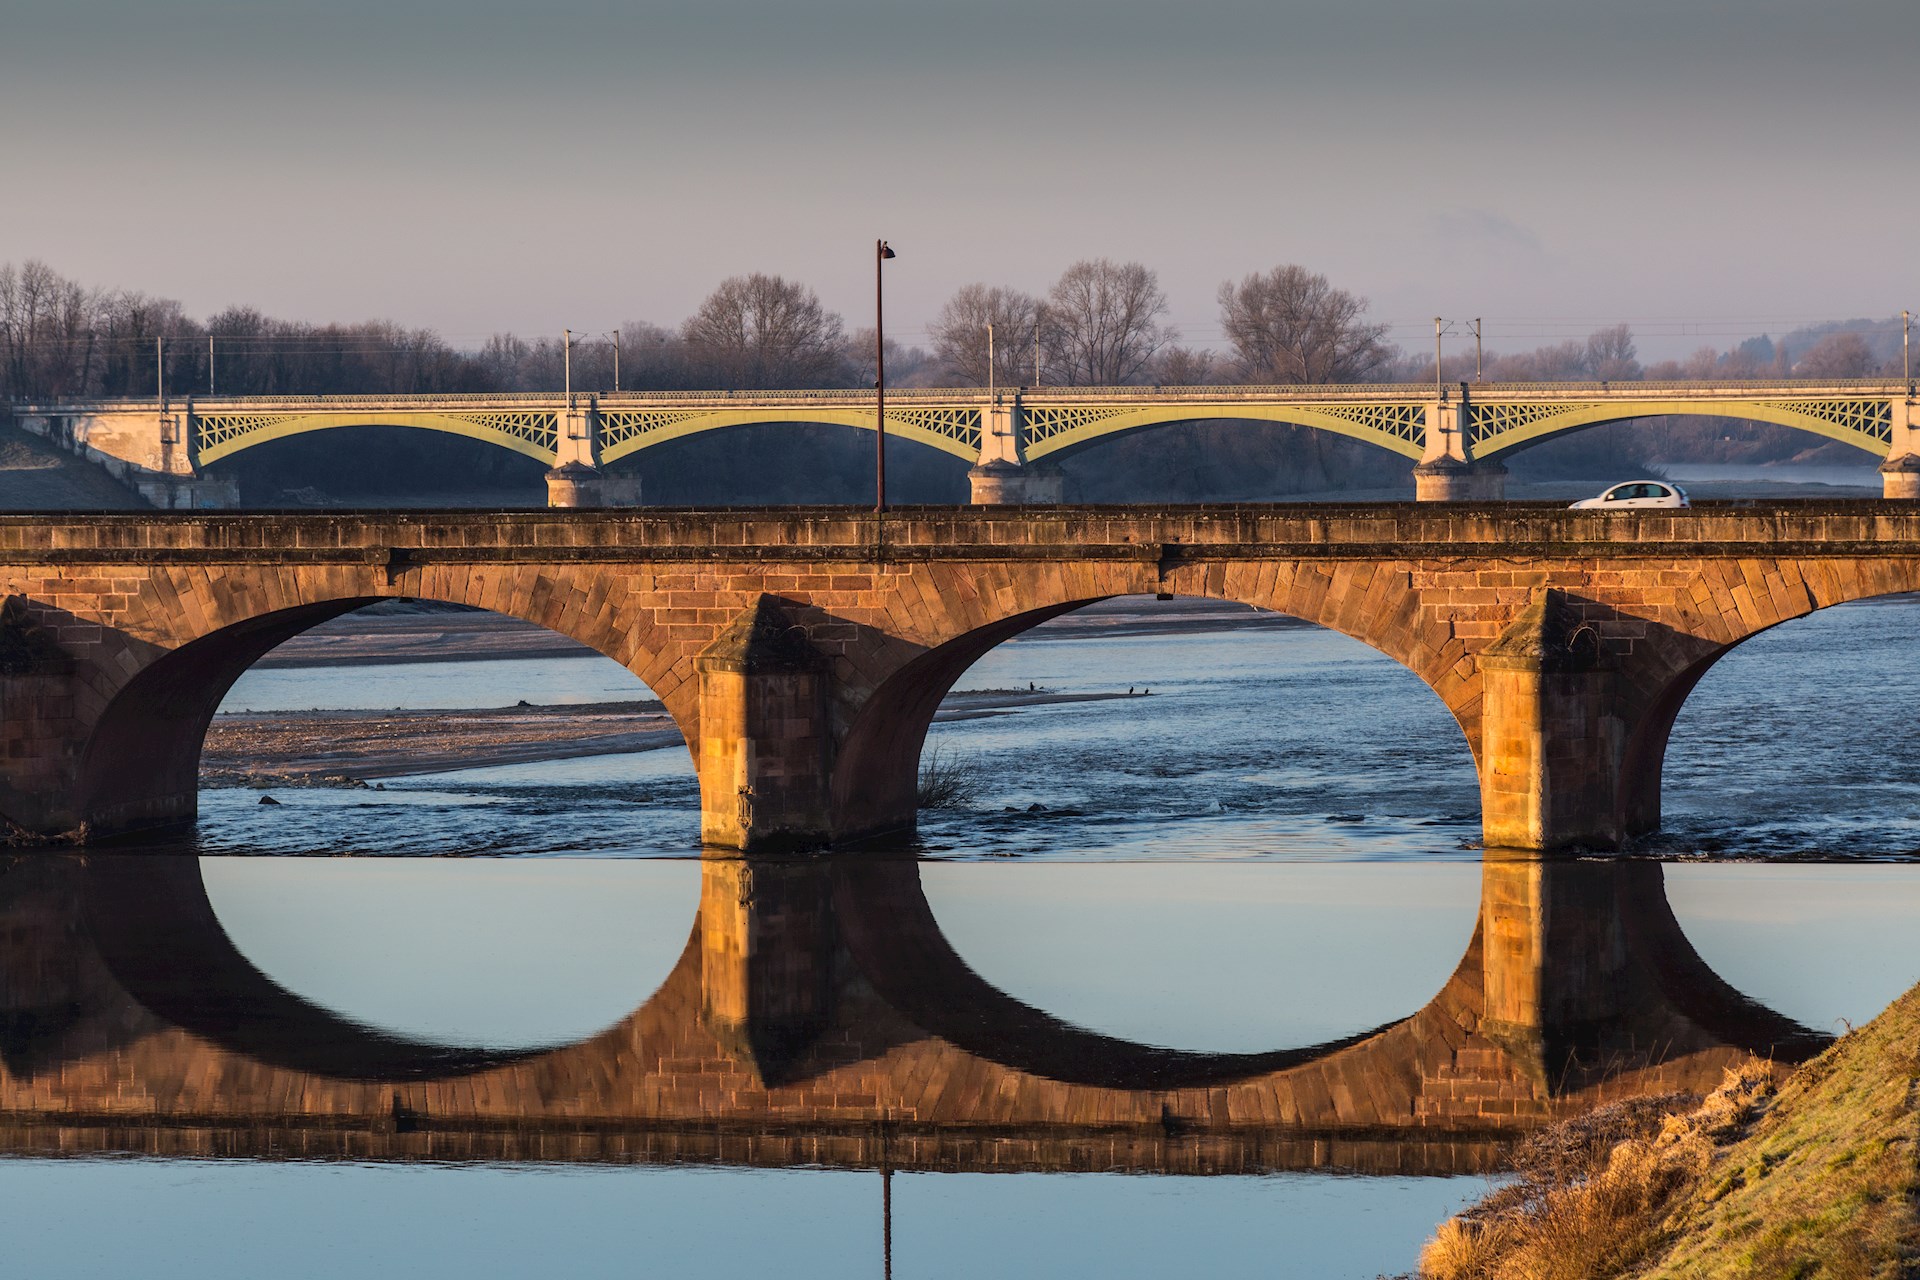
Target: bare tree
1289	325
1838	355
959	335
906	366
46	332
1610	354
1101	324
759	331
1186	367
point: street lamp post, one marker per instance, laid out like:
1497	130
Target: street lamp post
1437	378
616	360
1906	349
566	363
880	254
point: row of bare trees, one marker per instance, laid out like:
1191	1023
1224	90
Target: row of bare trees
1102	323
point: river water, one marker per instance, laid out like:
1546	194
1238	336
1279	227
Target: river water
1272	844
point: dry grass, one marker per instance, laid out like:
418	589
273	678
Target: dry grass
1819	1181
1593	1193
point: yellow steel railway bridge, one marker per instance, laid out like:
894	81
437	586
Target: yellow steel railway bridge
1455	434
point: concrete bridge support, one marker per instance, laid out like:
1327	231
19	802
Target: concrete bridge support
1454	480
1448	471
1007	484
1900	473
150	451
1003	477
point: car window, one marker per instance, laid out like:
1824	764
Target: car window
1656	491
1616	493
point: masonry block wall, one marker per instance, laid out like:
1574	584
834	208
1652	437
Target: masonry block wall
158	613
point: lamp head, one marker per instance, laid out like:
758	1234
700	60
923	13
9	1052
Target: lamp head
885	252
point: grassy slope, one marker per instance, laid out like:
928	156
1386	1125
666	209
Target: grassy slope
1820	1179
1825	1183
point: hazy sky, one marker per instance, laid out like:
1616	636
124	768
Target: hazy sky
1733	165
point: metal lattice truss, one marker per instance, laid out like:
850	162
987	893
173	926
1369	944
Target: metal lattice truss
531	431
1870	418
960	425
1401	421
1492	424
228	431
628	429
1045	423
1054	420
537	427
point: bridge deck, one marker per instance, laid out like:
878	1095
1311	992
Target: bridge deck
820	534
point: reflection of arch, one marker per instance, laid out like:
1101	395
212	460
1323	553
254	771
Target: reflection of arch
160	939
889	929
1577	988
139	768
876	769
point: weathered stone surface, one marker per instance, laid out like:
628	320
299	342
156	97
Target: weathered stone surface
160	612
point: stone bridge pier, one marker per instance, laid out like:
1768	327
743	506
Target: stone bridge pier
804	653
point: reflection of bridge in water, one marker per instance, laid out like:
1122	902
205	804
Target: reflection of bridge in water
818	1016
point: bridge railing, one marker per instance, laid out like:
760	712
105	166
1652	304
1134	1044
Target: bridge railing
1374	392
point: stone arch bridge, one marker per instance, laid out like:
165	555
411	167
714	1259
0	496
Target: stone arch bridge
1456	435
817	1015
804	652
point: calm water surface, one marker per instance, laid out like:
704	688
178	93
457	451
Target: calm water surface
1274	849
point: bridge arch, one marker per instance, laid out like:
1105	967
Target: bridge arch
536	432
1500	430
1398	426
138	765
875	772
953	430
533	433
1816	590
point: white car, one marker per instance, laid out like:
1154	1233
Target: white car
1636	493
